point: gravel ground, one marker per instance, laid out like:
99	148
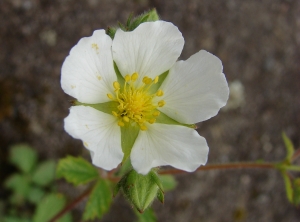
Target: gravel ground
258	42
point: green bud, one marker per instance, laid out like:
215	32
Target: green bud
141	190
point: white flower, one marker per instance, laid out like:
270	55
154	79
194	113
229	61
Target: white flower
194	90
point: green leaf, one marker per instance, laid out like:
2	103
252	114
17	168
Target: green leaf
297	191
49	207
107	107
288	186
76	170
23	156
15	219
20	184
35	195
168	182
129	133
45	173
147	216
289	147
99	201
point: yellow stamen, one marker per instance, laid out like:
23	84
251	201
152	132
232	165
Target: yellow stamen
110	96
127	78
161	103
134	76
116	85
120	123
143	127
135	103
126	119
160	93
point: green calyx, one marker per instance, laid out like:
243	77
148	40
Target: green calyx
133	23
141	190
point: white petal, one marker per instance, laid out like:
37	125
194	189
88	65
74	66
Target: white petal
174	145
151	49
195	89
99	133
88	73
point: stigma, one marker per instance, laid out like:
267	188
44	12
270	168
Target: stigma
136	103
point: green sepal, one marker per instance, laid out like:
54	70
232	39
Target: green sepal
133	23
147	216
156	179
76	170
160	196
99	201
129	133
163	118
296	184
139	189
289	147
120	78
157	85
107	107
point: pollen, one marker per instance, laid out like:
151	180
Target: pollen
135	102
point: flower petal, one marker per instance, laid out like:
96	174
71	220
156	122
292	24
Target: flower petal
151	49
88	73
162	144
195	89
100	133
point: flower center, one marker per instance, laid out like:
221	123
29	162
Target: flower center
136	103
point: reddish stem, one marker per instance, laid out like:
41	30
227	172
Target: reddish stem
296	155
223	167
71	205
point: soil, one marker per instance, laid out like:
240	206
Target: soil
258	43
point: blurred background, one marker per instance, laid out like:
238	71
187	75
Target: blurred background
258	43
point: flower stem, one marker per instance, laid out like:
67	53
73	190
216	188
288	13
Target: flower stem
225	166
71	205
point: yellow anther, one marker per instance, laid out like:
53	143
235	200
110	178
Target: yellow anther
126	119
160	93
147	80
141	120
127	78
156	79
115	113
156	113
143	127
120	123
134	76
116	85
161	103
152	120
110	96
137	117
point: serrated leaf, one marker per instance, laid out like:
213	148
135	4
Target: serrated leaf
168	182
20	184
99	201
147	216
76	170
35	195
49	207
289	146
44	173
23	156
